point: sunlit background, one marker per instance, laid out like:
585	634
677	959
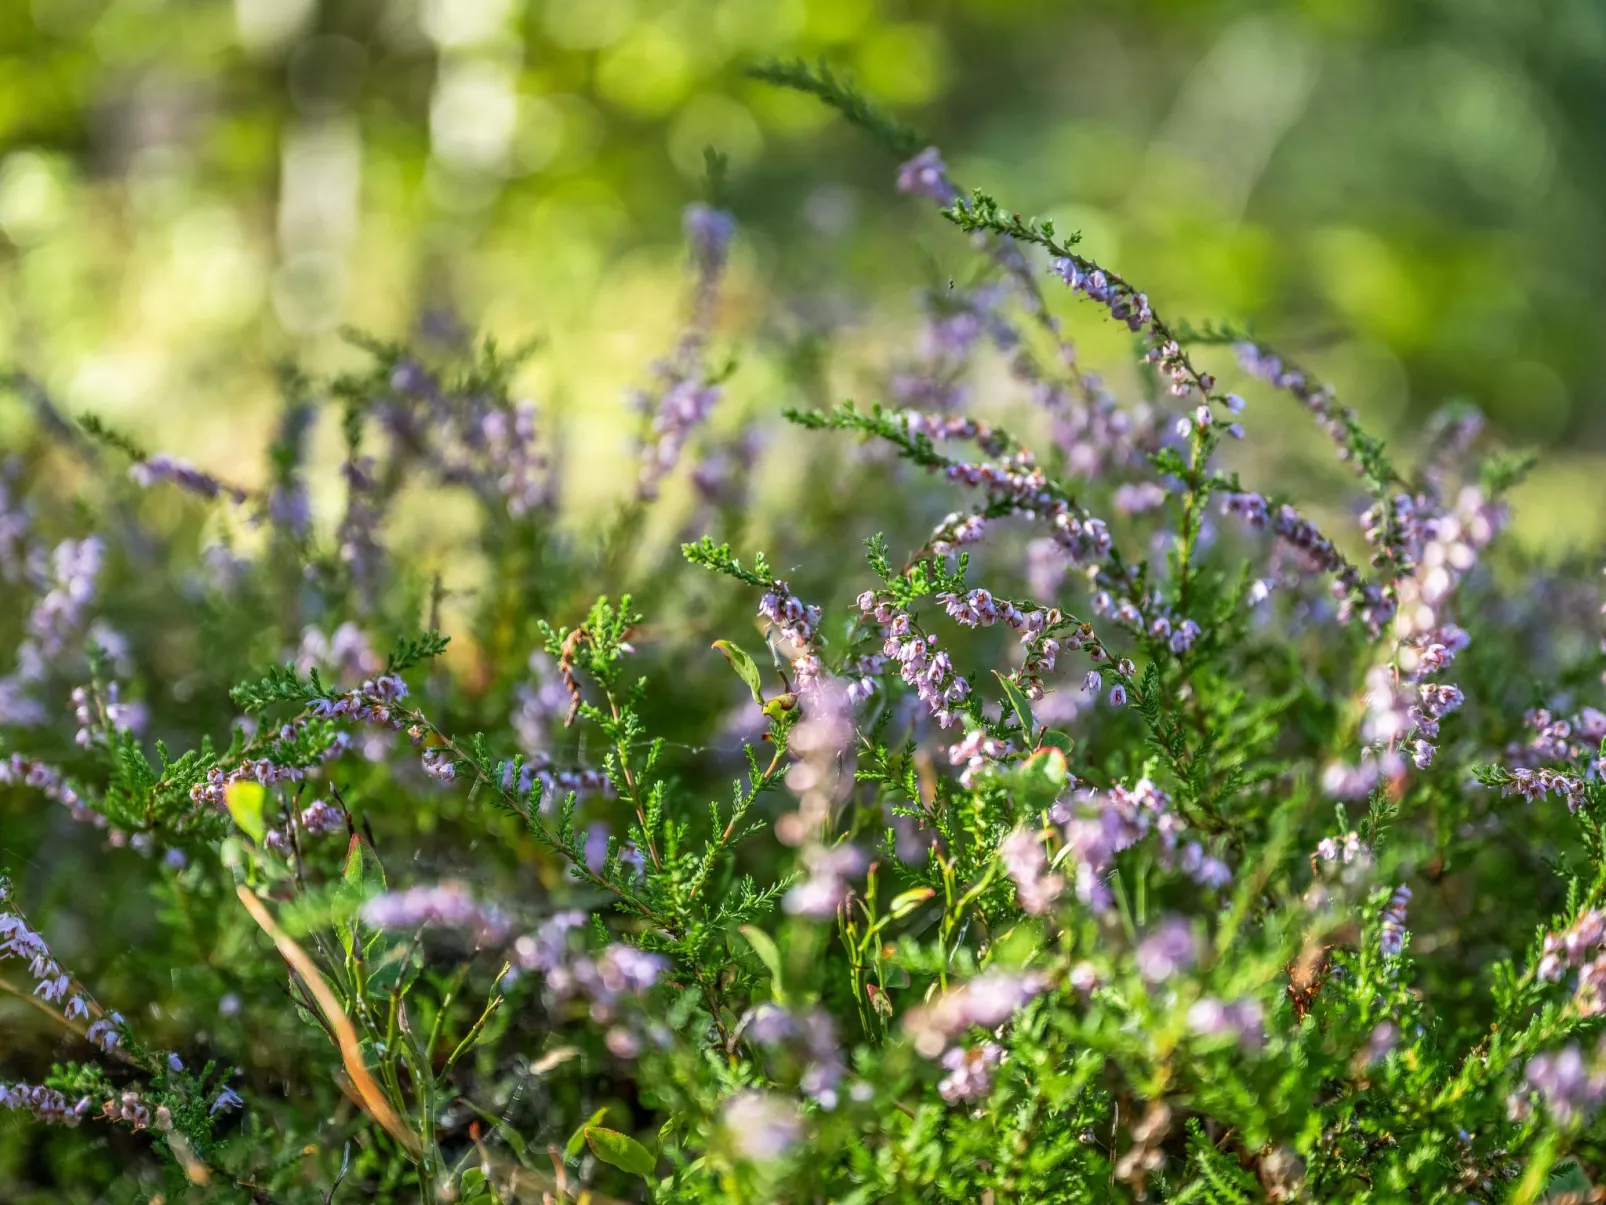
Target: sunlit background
1407	194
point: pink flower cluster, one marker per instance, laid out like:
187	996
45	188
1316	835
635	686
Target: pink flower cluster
921	664
1261	362
812	1034
927	176
798	622
1101	824
1019	484
1356	595
978	609
955	531
1026	862
827	869
18	770
1557	739
1566	1084
446	905
970	1071
45	1104
316	819
976	752
1580	946
1534	785
620	974
939	427
1243	1019
54	986
985	1002
1392	939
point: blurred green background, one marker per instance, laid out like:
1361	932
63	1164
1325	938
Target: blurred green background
1403	193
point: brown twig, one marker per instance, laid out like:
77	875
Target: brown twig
373	1099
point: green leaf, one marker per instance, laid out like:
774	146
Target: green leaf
1569	1177
1052	738
244	801
1047	770
360	878
768	953
362	873
577	1140
621	1150
746	668
1018	702
903	905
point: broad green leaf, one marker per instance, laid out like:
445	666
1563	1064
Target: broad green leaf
1049	764
362	871
577	1140
361	878
746	668
1018	702
621	1150
1052	738
764	946
244	801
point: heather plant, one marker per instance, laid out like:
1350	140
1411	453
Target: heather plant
1101	828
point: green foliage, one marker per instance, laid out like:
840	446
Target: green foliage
820	82
1070	862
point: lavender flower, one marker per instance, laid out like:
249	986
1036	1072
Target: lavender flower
1392	940
1099	825
1569	1088
827	870
1026	861
1242	1020
970	1071
1172	947
927	176
976	752
446	905
812	1033
762	1127
52	984
44	1104
186	476
24	771
986	1001
685	395
821	773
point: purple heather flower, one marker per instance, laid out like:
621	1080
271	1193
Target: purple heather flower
1392	940
970	1071
446	905
1569	1089
1026	862
1381	1041
1210	1018
986	1001
709	232
927	176
828	869
1170	948
183	474
762	1126
45	1104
